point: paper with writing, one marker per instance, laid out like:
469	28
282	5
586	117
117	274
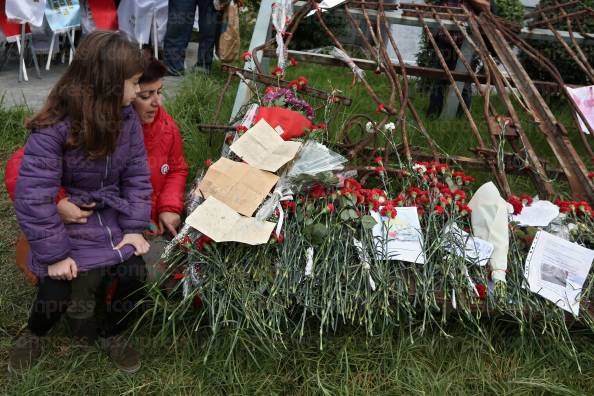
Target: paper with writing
262	147
399	238
221	223
539	214
240	186
556	269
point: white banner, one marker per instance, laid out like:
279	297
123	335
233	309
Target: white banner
136	19
30	11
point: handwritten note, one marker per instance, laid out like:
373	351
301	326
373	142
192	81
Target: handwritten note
221	223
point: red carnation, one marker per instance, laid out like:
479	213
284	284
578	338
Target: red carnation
229	139
178	276
329	208
380	108
208	163
247	56
516	203
278	72
481	290
241	128
438	209
201	242
318	191
526	199
185	243
280	238
293	62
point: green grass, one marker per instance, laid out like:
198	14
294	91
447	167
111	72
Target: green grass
505	361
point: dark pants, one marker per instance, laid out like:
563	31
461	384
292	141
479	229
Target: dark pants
53	298
439	87
179	30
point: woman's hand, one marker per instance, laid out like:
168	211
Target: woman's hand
63	270
72	214
169	221
141	246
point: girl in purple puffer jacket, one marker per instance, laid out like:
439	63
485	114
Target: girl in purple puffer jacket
89	140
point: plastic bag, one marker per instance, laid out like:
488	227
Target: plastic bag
315	158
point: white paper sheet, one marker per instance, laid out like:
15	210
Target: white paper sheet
556	269
584	98
399	238
326	5
539	214
221	223
262	147
476	251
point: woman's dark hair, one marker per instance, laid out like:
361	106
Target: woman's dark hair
91	92
153	68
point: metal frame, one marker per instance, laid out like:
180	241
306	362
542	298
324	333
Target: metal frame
484	35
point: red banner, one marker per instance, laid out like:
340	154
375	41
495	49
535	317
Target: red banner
104	14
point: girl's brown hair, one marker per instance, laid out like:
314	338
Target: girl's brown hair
91	92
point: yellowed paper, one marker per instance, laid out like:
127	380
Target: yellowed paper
262	147
240	186
221	223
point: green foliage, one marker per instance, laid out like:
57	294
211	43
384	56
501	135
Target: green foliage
556	53
510	10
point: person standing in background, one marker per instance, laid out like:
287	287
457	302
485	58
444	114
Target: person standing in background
179	30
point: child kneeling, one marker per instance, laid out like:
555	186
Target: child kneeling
89	140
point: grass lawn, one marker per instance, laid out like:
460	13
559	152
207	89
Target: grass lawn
450	360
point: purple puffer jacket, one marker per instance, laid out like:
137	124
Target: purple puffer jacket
119	184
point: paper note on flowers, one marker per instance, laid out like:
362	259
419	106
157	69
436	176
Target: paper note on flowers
399	238
475	250
557	269
262	147
221	223
584	99
240	186
538	214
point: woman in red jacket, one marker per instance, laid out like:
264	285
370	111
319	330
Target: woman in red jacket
167	164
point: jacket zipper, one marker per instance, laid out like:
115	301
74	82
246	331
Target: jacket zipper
99	214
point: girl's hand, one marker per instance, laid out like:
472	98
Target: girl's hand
63	270
169	221
141	246
70	213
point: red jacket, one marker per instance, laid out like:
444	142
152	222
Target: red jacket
167	164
